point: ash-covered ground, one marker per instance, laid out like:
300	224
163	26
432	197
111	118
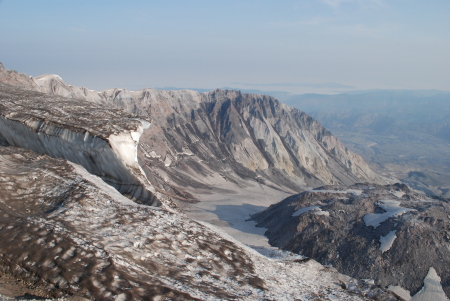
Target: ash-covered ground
67	231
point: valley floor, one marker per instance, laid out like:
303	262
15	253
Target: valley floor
230	211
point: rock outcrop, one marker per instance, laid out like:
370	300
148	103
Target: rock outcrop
386	233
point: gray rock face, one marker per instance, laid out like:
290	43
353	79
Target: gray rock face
14	78
250	136
386	233
104	141
228	133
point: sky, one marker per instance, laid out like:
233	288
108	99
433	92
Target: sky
322	46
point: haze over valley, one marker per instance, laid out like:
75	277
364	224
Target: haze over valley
227	150
402	134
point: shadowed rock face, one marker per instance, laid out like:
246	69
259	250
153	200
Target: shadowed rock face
104	141
386	233
239	136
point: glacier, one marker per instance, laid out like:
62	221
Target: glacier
80	132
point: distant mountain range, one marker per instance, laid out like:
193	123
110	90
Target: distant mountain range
280	95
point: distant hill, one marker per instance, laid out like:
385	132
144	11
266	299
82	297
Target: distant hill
399	132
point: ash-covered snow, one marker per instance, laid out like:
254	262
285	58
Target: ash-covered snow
432	288
304	210
387	241
392	208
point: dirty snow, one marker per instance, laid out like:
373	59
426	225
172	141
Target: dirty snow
432	288
387	241
304	210
398	194
350	191
392	208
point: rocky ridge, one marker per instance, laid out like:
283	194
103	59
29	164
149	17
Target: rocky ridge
387	233
222	133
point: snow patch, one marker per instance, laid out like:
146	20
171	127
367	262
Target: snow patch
316	210
321	213
125	147
354	191
350	191
398	194
167	161
432	288
153	155
387	241
400	291
392	208
304	210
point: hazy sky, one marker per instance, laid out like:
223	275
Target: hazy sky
296	46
